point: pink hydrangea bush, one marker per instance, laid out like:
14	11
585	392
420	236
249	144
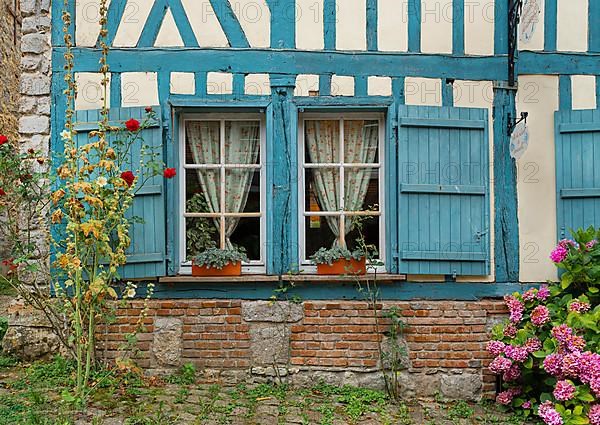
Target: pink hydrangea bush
547	352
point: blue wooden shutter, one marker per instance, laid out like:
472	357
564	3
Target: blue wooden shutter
443	191
577	141
146	256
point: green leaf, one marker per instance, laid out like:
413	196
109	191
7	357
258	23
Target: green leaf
587	397
578	410
528	363
545	397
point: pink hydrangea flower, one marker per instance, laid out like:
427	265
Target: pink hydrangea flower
579	307
540	315
558	254
553	364
526	405
575	343
549	415
562	333
589	367
500	364
595	386
591	244
568	242
518	354
512	374
510	330
495	347
533	345
564	391
530	294
543	293
570	364
505	398
515	307
594	415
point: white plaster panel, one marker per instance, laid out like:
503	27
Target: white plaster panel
168	35
392	25
309	25
351	25
479	27
584	91
379	86
342	85
139	89
436	26
257	84
306	83
131	26
219	83
204	22
536	178
90	93
423	91
183	83
531	28
480	94
572	32
255	18
87	14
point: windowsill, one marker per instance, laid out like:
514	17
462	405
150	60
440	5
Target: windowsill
245	278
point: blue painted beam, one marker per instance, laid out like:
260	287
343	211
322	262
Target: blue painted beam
230	24
283	23
372	25
414	26
399	291
325	85
550	25
115	12
361	86
447	94
329	22
398	89
501	27
373	102
200	83
57	35
558	63
115	90
238	85
506	221
594	26
458	27
183	24
565	93
153	24
303	62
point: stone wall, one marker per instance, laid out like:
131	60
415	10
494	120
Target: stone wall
233	340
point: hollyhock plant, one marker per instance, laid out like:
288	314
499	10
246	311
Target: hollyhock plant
548	346
169	173
132	125
128	177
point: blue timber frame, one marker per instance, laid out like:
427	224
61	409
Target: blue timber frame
282	62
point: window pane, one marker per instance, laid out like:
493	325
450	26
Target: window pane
361	139
242	142
322	141
361	190
200	233
322	189
245	233
370	231
319	234
242	190
202	142
202	191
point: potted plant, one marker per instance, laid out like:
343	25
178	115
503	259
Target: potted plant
219	262
339	261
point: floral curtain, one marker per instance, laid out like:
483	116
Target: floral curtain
242	144
360	146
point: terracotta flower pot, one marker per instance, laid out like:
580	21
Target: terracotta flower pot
343	266
231	269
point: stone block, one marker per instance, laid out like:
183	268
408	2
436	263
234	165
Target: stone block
34	43
167	343
464	386
35	84
272	311
33	124
269	344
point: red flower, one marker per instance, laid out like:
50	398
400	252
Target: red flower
132	124
2	192
3	139
10	264
169	173
128	177
148	109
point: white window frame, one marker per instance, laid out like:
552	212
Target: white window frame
253	266
305	264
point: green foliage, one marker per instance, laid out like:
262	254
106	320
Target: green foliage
3	327
186	375
564	320
200	230
329	256
460	410
7	361
219	258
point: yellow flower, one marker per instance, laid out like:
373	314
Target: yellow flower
64	172
57	216
93	201
92	226
57	196
110	153
101	181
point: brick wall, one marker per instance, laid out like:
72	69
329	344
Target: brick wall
233	340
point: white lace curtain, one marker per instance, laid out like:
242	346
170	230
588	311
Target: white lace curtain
242	144
360	146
